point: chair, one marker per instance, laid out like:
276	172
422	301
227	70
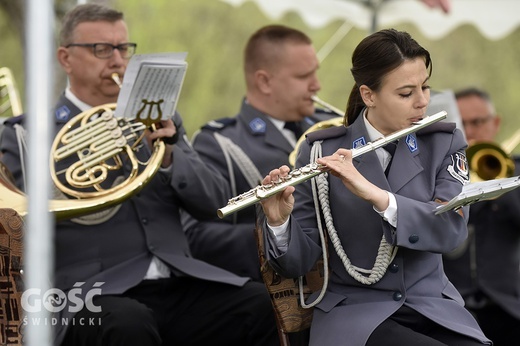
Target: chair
11	280
293	321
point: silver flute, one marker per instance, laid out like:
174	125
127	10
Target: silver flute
311	170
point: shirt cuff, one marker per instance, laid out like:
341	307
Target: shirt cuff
390	214
280	235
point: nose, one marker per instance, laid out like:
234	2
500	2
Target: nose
117	59
423	98
315	84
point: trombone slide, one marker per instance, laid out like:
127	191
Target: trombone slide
311	170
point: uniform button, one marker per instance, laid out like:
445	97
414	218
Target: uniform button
397	296
394	268
182	185
414	238
144	221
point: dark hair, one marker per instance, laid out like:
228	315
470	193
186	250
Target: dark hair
472	91
85	13
375	56
264	46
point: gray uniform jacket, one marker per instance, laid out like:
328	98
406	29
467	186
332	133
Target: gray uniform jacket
118	252
230	243
419	174
489	260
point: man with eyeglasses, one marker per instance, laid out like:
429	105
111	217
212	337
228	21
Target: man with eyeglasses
129	270
485	269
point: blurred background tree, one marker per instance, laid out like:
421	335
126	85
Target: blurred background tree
214	34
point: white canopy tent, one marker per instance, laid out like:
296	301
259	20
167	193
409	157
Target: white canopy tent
494	19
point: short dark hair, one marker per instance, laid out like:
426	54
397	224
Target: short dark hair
264	45
85	13
472	91
376	56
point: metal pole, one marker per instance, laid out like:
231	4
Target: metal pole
39	252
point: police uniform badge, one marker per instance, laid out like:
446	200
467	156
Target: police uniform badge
411	143
257	126
62	113
459	168
358	143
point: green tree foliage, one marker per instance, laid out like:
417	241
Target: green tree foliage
214	34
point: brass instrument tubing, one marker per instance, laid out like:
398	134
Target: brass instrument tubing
311	170
327	105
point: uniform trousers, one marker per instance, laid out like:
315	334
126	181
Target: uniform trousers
179	311
498	325
406	327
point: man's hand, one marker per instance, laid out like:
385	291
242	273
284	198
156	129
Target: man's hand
164	130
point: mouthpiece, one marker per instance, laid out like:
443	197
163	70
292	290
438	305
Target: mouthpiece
115	77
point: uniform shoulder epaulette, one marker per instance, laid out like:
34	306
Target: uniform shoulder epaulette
15	120
331	132
437	127
218	124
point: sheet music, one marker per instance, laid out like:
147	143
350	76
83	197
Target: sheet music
480	191
151	86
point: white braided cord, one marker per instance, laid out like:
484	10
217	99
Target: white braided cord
315	153
385	254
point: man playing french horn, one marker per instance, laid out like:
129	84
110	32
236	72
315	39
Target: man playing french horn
153	292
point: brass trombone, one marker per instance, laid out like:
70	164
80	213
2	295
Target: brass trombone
10	104
488	160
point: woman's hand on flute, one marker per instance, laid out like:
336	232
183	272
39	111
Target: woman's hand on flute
340	165
278	207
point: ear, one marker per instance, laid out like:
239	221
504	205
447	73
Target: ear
496	122
367	95
262	81
63	58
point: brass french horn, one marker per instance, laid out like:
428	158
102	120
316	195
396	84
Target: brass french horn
90	145
489	160
338	121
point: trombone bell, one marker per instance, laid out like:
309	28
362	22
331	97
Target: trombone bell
489	161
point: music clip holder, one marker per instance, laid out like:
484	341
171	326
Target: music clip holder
480	191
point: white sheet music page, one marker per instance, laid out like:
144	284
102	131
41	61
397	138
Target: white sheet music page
480	191
151	86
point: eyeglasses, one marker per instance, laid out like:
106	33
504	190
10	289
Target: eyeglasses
106	50
477	122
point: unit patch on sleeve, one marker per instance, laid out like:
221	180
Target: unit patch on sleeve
459	168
